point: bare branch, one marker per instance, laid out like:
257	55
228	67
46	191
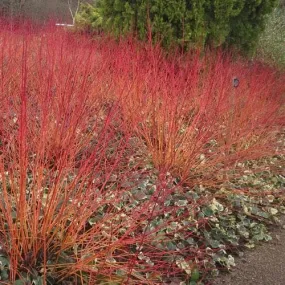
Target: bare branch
77	8
70	10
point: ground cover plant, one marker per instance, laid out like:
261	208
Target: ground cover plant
123	165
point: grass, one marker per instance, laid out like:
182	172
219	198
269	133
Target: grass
117	162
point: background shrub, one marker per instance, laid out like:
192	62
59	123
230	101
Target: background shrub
271	46
199	22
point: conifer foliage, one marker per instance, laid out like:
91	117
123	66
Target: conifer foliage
182	22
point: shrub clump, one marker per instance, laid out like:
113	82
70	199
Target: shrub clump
183	23
271	46
121	165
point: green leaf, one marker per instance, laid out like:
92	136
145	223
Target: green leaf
214	243
19	282
4	275
195	275
171	246
3	262
208	212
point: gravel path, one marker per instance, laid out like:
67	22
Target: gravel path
264	265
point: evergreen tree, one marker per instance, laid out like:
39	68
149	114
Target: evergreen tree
184	22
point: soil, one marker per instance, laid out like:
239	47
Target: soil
264	265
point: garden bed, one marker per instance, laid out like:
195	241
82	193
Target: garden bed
123	165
